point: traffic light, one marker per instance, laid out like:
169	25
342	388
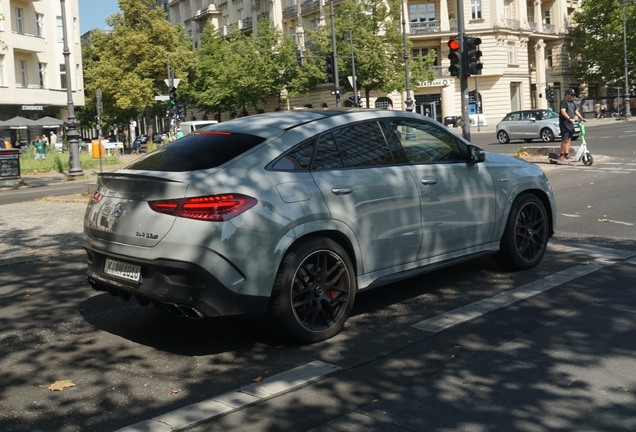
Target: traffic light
329	67
549	94
300	60
355	101
473	55
455	57
173	96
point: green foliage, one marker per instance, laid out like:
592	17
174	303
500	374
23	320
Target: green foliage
60	162
377	42
237	71
598	41
129	63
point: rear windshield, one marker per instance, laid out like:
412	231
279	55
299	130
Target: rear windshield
199	151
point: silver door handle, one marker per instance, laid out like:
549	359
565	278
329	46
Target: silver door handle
428	181
341	190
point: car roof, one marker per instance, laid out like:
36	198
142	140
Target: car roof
286	120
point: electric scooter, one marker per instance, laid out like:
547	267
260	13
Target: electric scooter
582	154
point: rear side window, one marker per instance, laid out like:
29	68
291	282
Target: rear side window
362	145
202	150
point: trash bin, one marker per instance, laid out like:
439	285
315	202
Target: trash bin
451	120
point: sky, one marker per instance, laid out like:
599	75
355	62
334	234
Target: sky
93	13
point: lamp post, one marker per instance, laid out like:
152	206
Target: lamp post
409	101
626	102
71	123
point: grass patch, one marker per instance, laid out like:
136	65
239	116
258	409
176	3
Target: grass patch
60	162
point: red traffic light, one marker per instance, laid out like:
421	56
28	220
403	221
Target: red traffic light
453	44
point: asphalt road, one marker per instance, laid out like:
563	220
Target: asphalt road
560	360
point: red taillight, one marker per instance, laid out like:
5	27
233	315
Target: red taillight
95	198
215	208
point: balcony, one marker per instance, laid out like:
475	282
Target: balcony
290	12
309	6
206	12
424	27
246	24
223	4
549	28
453	24
532	25
28	43
512	24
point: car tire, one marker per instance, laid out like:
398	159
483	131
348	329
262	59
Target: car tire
313	293
525	237
502	137
547	135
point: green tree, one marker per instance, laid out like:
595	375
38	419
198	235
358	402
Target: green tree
378	46
598	41
129	63
237	71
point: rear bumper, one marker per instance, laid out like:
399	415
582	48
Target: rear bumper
173	283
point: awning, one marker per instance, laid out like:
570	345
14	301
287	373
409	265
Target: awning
17	123
49	122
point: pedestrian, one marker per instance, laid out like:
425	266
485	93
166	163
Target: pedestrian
53	142
567	117
39	148
603	109
179	133
597	109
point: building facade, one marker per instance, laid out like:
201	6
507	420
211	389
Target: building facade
525	45
33	75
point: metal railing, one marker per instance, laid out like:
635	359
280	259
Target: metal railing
309	6
424	27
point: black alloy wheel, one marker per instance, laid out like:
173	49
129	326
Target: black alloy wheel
526	235
314	292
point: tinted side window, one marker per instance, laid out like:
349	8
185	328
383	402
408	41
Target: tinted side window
392	137
327	154
298	158
424	143
202	150
363	145
513	117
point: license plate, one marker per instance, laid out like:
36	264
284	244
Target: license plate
123	270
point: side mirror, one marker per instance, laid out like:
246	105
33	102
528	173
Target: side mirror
476	154
532	119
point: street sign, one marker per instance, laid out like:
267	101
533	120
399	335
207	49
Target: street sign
162	98
175	82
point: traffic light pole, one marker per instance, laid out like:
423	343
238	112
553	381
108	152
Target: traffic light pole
335	56
463	78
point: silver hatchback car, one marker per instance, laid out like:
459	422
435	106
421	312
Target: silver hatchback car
529	125
290	214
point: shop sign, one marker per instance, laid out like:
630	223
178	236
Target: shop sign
436	83
32	108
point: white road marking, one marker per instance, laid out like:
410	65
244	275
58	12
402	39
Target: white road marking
569	215
621	223
196	413
603	256
597	252
471	311
611	163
